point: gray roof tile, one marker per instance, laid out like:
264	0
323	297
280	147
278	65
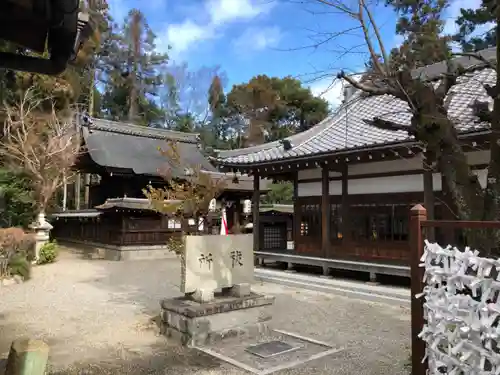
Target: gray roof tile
120	145
345	129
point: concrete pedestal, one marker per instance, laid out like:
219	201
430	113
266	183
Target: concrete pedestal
193	324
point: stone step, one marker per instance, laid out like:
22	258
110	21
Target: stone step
363	291
395	291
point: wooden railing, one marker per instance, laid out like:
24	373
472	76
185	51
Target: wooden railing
102	232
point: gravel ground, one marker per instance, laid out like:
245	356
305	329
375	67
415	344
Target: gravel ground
99	318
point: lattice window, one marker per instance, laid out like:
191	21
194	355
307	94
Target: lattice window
335	221
311	220
274	237
380	222
400	223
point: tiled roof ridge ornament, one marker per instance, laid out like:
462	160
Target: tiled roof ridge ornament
287	145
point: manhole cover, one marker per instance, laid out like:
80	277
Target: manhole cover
271	348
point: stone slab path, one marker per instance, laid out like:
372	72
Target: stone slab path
99	318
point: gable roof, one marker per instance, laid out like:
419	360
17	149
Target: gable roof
346	130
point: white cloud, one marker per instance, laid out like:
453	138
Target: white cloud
330	89
181	36
257	39
222	11
217	14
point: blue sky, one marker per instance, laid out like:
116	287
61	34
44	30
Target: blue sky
250	37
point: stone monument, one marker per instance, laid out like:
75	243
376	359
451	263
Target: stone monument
216	275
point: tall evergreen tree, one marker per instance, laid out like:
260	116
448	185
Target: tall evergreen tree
136	78
477	27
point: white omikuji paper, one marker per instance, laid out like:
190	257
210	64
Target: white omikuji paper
461	331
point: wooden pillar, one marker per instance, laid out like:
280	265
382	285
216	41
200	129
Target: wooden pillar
256	211
429	194
346	222
296	212
417	215
325	211
78	188
86	182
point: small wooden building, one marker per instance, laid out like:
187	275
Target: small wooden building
122	160
354	183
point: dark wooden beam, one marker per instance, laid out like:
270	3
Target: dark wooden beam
346	222
296	211
429	203
256	212
325	210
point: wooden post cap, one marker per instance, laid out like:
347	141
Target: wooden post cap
27	357
418	209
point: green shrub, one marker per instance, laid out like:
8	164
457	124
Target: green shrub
19	265
48	253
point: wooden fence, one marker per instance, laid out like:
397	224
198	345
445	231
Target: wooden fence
418	222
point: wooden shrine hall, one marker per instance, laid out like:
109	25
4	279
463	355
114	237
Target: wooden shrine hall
123	159
354	184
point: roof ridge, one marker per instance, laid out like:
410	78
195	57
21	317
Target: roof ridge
143	131
344	106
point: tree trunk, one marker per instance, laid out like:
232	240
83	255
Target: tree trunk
132	112
438	133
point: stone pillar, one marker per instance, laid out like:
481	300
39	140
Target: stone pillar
42	230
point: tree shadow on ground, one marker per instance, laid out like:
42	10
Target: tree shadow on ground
168	359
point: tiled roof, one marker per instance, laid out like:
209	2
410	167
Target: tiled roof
345	129
125	146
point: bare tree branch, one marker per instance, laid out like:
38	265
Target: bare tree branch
366	87
43	145
389	125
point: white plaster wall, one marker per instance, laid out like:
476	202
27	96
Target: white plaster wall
315	173
380	185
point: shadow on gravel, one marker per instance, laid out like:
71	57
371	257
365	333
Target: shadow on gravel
140	282
166	360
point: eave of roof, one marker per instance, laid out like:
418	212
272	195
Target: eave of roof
136	148
345	132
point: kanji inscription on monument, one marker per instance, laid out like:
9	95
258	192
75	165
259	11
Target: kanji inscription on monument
216	262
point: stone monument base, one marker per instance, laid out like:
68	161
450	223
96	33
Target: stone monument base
194	324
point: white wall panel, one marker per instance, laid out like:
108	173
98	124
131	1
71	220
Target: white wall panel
380	185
